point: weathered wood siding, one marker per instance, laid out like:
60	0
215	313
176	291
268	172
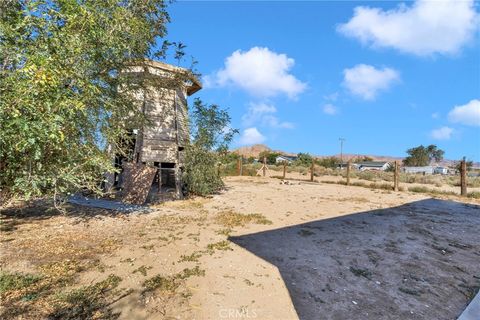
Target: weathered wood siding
167	133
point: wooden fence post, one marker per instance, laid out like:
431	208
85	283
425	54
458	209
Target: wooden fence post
264	166
349	165
284	169
312	170
241	165
396	176
463	177
238	167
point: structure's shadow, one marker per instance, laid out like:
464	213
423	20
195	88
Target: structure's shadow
12	217
416	261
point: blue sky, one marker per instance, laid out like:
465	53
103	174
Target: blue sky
297	76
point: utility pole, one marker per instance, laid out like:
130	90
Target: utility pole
463	177
341	150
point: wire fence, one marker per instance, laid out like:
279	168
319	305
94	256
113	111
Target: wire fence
394	180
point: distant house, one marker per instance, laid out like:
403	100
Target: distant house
421	170
440	170
282	159
373	165
344	165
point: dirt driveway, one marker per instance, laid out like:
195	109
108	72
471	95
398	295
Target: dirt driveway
260	250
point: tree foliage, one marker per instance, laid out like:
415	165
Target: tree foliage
60	105
211	135
270	156
304	159
468	165
329	162
362	159
423	156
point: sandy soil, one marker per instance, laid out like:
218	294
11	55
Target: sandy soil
330	252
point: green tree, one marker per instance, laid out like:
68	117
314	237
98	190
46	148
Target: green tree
304	159
469	165
423	156
60	103
362	159
211	135
330	162
271	156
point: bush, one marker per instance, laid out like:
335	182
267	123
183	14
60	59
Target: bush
201	176
210	139
330	162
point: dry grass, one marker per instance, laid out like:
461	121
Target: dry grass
89	302
230	219
171	283
221	245
41	295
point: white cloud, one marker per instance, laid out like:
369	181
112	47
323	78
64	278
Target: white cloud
251	136
443	133
424	28
366	81
260	72
331	97
330	109
435	115
263	113
256	111
468	114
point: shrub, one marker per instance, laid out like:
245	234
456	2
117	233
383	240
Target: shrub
201	176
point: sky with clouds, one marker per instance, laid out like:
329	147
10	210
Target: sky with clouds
297	76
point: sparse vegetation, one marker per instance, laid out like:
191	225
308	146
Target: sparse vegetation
305	233
359	272
171	283
191	258
232	219
221	245
88	302
16	281
142	270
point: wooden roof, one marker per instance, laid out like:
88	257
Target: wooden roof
194	85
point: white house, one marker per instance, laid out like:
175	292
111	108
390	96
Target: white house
373	165
282	159
422	170
440	170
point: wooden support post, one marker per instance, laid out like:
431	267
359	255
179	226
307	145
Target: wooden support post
178	183
238	167
241	165
264	166
284	169
159	172
463	177
312	170
396	176
349	164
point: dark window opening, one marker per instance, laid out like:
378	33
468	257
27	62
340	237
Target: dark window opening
166	174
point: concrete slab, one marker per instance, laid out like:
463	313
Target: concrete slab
472	312
108	204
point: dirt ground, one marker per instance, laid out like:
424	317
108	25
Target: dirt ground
258	250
